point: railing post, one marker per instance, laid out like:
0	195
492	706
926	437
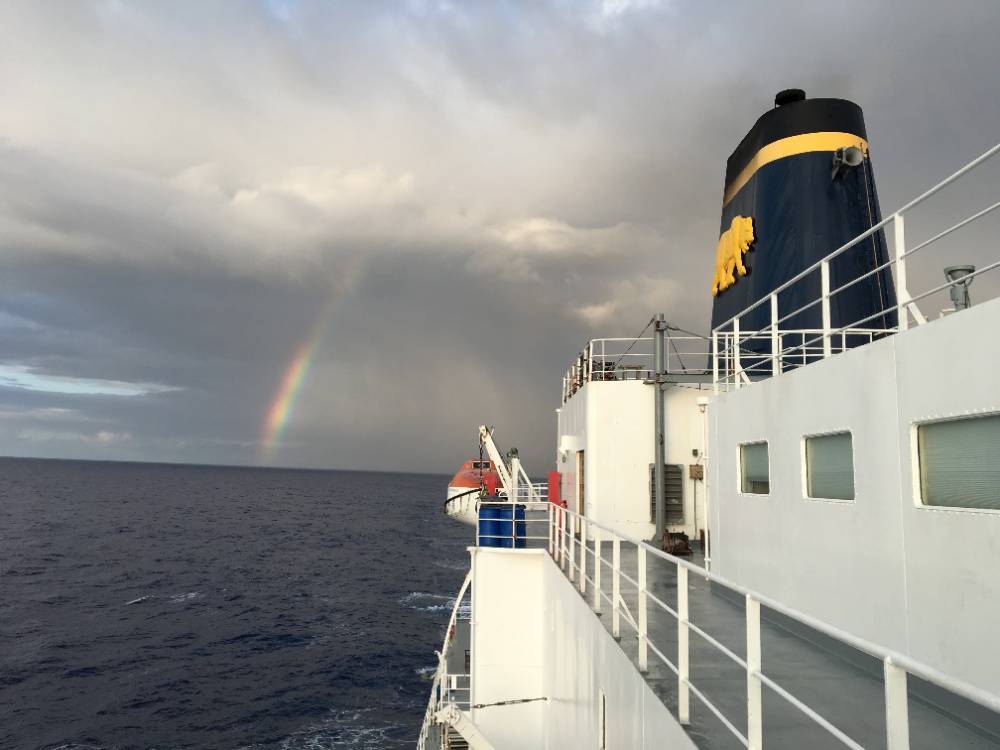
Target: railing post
641	564
775	343
755	715
824	280
515	470
902	293
897	720
597	570
737	370
564	528
683	698
583	556
715	362
616	586
552	546
571	552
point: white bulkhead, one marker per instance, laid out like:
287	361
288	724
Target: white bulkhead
605	454
916	578
534	639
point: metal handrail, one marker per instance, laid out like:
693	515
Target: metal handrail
598	361
433	702
896	665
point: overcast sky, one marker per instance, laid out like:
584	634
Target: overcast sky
447	199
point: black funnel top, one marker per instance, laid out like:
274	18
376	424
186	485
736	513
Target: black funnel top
788	96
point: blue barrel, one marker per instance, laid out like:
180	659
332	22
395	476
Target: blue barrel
489	514
502	525
511	527
505	528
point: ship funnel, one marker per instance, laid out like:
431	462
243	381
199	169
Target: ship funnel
959	278
782	214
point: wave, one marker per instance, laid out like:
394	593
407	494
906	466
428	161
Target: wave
345	729
186	597
425	602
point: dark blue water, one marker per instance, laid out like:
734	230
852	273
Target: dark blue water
152	606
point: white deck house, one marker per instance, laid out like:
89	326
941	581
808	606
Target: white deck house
606	437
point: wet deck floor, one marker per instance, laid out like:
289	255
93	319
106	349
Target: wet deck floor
842	684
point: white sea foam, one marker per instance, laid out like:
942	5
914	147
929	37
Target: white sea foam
140	599
343	729
426	602
463	566
187	597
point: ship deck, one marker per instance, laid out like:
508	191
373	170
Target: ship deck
843	685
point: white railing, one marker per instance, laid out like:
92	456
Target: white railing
632	359
780	350
457	689
736	362
444	689
584	565
535	492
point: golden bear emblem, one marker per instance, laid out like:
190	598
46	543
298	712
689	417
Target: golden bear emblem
734	243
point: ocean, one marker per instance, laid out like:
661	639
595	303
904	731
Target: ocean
163	606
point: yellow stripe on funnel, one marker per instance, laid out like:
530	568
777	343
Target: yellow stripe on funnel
791	146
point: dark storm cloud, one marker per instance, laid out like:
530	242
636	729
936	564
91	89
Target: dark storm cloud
465	193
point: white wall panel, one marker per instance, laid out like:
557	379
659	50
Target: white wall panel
534	636
915	579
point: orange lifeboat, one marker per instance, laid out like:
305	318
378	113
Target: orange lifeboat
476	478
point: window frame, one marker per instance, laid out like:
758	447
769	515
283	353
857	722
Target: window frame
917	486
804	456
739	467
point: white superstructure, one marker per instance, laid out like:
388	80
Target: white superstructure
847	484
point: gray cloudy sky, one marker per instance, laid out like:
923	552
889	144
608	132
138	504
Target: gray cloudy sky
449	198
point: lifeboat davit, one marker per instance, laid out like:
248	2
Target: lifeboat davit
477	478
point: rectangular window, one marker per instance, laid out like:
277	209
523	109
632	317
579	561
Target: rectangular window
830	467
754	470
960	462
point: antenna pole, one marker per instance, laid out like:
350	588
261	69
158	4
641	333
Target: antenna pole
659	327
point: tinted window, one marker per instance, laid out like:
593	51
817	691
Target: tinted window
830	467
754	472
960	462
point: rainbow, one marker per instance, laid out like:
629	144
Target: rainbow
283	404
281	408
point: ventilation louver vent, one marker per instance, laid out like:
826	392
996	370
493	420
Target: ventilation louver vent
673	480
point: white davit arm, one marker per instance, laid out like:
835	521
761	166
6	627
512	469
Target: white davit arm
508	482
486	440
532	493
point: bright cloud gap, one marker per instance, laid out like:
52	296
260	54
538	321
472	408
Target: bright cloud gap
18	376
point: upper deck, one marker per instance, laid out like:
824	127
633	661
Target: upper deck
686	356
